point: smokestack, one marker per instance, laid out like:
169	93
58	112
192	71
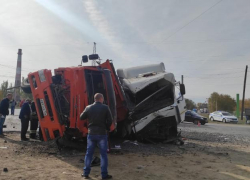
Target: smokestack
18	76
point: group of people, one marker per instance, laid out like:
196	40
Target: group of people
99	121
27	114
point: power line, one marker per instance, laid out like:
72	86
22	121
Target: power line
193	19
13	67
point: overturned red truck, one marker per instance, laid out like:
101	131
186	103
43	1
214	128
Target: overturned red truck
146	101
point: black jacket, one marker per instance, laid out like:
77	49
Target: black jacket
99	117
4	107
25	111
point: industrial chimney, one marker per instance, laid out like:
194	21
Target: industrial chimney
18	76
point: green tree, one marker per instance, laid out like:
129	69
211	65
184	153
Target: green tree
24	95
4	87
190	104
246	104
221	102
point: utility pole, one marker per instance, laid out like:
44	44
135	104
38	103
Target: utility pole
243	98
182	79
238	106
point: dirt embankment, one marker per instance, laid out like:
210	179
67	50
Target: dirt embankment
204	156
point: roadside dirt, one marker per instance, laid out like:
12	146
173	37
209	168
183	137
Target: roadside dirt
196	159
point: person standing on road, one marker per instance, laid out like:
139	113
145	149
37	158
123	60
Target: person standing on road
33	121
25	118
100	120
13	105
4	111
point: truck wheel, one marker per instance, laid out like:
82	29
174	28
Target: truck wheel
224	120
203	123
211	119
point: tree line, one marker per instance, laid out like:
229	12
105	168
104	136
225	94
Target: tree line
7	87
218	102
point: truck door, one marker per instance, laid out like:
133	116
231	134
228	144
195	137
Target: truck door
101	82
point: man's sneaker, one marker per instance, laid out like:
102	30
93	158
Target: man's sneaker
85	177
108	177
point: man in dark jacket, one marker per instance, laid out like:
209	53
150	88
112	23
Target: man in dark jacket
25	118
4	111
100	119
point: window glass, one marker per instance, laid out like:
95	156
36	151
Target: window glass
188	113
227	114
194	113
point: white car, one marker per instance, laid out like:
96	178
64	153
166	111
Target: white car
223	116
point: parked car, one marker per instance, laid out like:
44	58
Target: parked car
191	116
223	116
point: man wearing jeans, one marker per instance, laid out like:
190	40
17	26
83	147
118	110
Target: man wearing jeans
4	111
100	119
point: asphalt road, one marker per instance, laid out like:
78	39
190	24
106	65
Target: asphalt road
226	129
13	124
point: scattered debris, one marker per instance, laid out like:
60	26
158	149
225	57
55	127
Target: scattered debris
5	169
3	147
117	147
139	167
132	142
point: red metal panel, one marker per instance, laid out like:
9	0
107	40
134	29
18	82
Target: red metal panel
122	110
38	93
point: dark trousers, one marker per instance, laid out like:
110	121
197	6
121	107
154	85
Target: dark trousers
12	110
24	127
33	127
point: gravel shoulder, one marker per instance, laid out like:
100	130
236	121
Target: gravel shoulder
203	156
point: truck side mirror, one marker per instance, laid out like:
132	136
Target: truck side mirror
85	59
182	89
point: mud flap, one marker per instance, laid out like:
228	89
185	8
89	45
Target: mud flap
178	115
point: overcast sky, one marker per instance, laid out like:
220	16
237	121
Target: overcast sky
207	41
